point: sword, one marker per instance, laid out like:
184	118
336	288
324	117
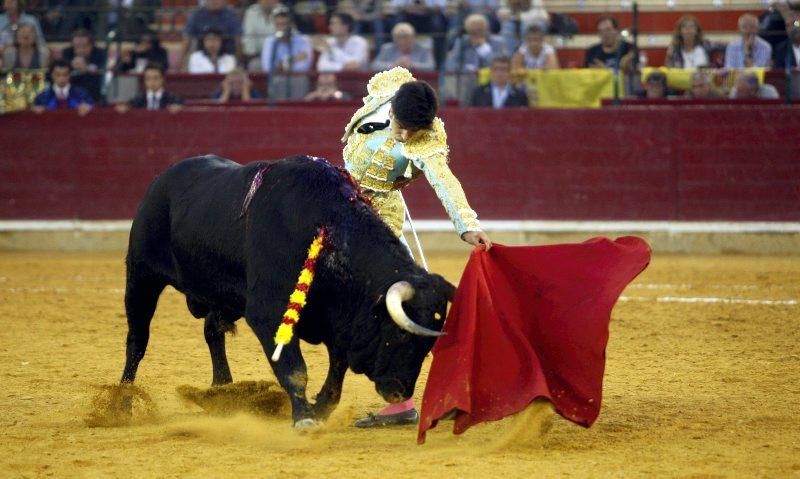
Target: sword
414	231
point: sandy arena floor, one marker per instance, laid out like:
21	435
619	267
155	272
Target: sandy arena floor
702	380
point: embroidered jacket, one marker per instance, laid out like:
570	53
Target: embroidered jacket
378	161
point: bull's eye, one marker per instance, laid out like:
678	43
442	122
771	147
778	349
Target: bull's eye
437	316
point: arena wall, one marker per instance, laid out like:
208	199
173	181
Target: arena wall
664	164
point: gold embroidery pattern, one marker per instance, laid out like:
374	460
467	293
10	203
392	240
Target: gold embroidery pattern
376	176
380	89
389	207
428	142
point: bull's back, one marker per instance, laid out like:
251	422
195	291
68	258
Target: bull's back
188	230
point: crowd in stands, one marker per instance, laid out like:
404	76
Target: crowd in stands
503	36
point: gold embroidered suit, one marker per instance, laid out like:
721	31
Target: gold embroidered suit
381	164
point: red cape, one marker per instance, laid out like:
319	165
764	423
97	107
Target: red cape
529	322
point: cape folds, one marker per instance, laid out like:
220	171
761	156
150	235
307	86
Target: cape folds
529	322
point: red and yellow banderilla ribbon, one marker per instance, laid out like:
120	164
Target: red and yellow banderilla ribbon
297	300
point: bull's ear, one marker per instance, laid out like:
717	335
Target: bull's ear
448	288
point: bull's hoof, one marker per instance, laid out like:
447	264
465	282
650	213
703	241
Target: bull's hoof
307	425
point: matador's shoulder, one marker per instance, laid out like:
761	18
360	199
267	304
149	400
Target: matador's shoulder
380	89
428	143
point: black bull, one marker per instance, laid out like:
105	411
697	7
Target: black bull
190	232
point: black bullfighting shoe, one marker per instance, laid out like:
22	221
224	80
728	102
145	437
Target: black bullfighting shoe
383	420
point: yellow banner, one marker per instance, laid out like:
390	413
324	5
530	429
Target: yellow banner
566	88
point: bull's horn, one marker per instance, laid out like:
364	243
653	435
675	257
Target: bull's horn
397	293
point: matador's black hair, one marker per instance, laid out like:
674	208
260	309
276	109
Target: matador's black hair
415	104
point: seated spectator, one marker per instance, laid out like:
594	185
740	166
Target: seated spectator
88	63
687	49
26	53
236	86
342	51
655	86
535	53
60	95
12	17
747	88
428	18
129	18
486	8
787	54
258	25
154	96
287	50
210	58
214	15
610	48
147	50
368	18
404	51
701	86
499	93
327	90
477	49
517	16
83	56
751	50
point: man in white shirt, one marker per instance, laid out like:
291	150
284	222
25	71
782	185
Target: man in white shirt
342	51
154	97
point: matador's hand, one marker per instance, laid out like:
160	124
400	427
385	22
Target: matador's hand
476	238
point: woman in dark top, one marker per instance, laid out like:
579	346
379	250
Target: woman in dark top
148	50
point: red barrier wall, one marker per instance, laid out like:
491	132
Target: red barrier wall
639	163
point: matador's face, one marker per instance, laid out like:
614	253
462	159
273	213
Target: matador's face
399	132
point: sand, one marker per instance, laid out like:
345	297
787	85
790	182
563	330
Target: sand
701	381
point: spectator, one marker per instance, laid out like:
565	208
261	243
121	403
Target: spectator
747	88
60	94
236	86
611	47
290	49
13	15
88	63
687	49
26	53
499	93
701	86
154	96
428	18
342	51
210	58
218	16
148	50
477	49
487	8
750	51
655	86
772	23
131	18
258	25
789	51
62	17
404	51
327	90
83	56
368	17
518	16
535	53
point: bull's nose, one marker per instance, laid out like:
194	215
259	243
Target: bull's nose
391	390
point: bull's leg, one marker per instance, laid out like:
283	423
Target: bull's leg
331	392
141	297
215	327
290	369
